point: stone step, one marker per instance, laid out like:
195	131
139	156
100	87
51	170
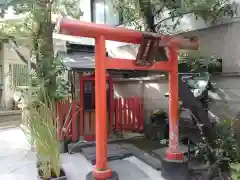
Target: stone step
10	118
10	124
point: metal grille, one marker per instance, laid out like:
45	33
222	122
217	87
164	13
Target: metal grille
19	74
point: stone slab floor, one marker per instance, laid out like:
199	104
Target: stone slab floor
18	162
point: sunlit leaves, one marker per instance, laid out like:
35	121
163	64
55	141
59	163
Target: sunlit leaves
198	62
209	10
68	7
41	132
129	11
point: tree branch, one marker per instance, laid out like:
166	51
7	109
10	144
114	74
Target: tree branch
185	13
14	45
172	17
161	8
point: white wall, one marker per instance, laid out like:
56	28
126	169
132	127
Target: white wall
85	6
9	57
151	92
223	42
190	23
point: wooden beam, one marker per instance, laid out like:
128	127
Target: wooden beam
127	64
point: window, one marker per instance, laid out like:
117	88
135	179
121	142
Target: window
103	12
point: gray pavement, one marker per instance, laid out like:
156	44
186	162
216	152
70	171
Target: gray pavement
18	162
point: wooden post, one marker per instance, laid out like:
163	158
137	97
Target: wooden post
173	152
101	171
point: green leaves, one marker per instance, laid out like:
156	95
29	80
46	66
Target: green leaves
198	62
58	71
41	130
129	10
209	10
235	169
68	7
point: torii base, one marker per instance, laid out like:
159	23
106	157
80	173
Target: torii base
174	169
113	177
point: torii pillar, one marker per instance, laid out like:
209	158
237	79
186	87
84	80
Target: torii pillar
101	33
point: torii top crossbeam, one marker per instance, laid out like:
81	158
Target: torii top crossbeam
101	33
78	28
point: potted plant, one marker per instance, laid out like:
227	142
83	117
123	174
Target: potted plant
155	128
41	132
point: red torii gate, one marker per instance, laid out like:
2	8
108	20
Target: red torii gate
101	33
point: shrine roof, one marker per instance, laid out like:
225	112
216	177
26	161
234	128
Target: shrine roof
79	57
80	60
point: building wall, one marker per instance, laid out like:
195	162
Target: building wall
9	57
190	23
223	42
85	6
187	23
152	92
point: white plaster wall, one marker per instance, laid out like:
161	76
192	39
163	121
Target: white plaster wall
85	6
9	57
152	94
7	91
188	23
223	42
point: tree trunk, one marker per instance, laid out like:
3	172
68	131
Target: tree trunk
44	47
148	16
149	26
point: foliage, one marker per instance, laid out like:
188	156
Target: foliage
228	146
155	13
69	7
235	167
37	24
36	28
62	86
159	112
41	131
197	62
227	142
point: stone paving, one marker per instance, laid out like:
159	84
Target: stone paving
18	162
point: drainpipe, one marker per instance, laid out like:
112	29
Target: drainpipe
141	83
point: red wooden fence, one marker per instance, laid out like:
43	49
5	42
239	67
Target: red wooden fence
67	120
128	115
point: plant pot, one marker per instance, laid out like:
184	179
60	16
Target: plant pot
153	131
40	160
53	176
64	146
